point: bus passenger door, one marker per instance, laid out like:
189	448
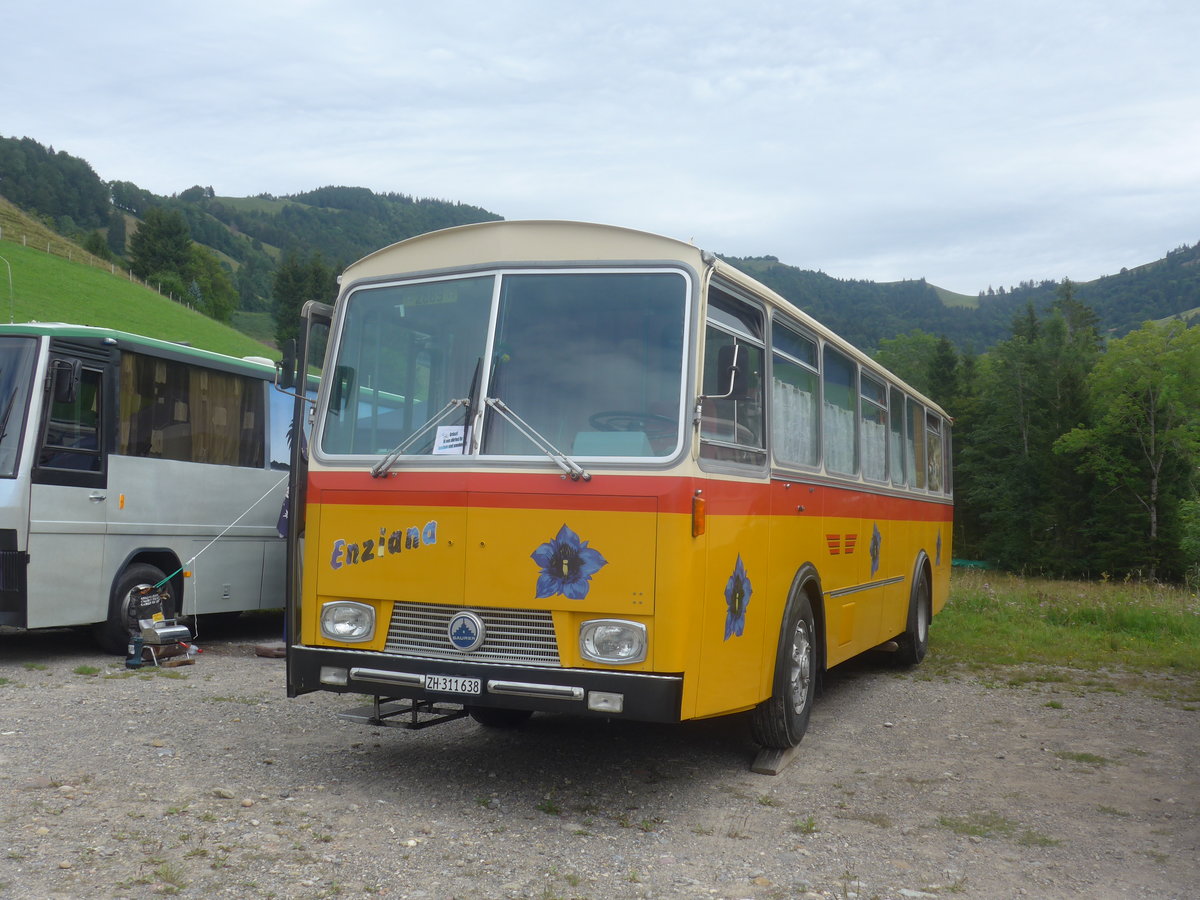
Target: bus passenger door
68	502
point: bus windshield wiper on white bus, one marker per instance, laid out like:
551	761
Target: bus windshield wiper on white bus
381	468
8	408
560	459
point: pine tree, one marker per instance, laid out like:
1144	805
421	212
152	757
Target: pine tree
162	244
296	281
1031	506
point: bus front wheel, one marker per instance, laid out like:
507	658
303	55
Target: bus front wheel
113	634
781	720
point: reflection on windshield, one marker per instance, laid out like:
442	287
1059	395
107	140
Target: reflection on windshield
592	361
16	370
405	352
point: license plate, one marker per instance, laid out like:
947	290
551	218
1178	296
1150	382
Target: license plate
453	684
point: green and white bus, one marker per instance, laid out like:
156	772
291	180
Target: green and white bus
127	461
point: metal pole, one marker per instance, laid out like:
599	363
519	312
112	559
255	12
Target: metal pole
12	306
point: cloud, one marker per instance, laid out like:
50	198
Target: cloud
972	144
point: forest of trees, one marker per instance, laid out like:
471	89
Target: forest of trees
1077	427
1072	456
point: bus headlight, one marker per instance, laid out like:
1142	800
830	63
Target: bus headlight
612	641
345	620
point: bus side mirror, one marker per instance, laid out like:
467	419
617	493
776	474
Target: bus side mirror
66	377
285	369
343	384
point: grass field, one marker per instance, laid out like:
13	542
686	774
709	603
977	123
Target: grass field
1106	633
51	288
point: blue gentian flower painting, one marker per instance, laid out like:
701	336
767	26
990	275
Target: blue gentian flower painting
568	565
876	546
737	597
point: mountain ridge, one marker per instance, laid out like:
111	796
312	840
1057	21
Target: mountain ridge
339	223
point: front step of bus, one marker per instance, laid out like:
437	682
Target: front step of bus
410	714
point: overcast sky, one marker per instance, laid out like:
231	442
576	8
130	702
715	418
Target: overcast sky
969	143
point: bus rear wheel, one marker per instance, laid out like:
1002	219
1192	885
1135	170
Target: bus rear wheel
781	720
114	633
915	641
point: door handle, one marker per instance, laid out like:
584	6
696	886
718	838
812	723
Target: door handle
96	498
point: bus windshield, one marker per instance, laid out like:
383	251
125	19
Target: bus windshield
16	370
592	361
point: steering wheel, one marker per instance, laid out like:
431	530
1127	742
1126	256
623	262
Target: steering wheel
654	425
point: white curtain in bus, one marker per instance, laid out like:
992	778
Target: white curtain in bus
795	423
899	474
874	449
839	439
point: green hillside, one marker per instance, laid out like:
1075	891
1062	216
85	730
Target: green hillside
50	288
950	298
252	240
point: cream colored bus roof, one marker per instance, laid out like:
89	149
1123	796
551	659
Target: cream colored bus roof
548	241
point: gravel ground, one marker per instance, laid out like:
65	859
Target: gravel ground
206	780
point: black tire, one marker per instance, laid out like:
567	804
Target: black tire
114	633
914	643
781	720
495	717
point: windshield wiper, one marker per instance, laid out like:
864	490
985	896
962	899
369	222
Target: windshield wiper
381	468
8	408
560	459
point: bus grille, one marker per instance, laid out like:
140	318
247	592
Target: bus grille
520	636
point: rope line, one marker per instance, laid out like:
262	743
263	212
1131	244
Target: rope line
223	533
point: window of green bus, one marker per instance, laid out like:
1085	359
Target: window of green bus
16	370
73	429
174	410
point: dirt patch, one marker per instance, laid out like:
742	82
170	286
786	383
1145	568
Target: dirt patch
206	780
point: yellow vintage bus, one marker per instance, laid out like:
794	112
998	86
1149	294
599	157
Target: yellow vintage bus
575	468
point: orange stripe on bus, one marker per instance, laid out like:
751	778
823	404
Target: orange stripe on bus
671	494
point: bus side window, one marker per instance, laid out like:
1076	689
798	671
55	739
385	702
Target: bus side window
933	438
72	439
839	414
795	378
172	410
873	427
916	444
731	426
897	446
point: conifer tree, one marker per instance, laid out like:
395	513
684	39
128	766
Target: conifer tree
162	244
